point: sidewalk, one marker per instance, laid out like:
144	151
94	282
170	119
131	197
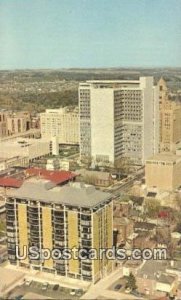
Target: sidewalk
101	287
67	282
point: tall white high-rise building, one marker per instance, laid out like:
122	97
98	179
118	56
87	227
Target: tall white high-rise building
119	119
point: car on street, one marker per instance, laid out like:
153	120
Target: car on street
117	287
44	286
79	292
28	282
136	293
72	292
19	297
56	286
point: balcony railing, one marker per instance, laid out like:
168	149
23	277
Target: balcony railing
58	220
85	223
86	273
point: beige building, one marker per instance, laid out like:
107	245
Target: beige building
62	123
72	216
97	178
170	120
30	148
163	171
15	161
18	122
3	124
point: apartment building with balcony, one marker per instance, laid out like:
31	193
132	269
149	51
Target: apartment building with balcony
76	215
118	119
170	119
62	123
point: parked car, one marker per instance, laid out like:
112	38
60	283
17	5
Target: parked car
136	293
44	286
79	292
72	292
19	297
56	286
28	282
117	287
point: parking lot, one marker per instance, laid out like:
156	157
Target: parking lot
118	285
52	291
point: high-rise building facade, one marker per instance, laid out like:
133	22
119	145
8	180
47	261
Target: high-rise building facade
170	119
72	216
118	119
62	123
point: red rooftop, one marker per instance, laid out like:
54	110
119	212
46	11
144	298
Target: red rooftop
10	182
58	177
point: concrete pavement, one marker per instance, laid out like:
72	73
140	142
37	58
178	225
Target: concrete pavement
100	289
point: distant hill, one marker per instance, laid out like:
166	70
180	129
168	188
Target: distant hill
40	89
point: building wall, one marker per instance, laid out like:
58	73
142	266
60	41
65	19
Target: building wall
170	120
73	240
19	161
23	230
18	122
102	239
164	287
163	175
109	234
3	124
118	119
47	233
95	244
85	121
148	118
102	125
62	227
156	119
146	285
176	175
62	123
25	147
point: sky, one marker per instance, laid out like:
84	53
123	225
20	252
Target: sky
89	33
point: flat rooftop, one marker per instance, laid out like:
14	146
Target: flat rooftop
113	81
165	157
121	84
113	84
151	268
73	194
4	159
22	142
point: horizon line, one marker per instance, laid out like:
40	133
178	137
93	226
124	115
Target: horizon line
91	68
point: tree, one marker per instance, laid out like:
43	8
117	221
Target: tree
152	207
87	160
131	282
122	165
